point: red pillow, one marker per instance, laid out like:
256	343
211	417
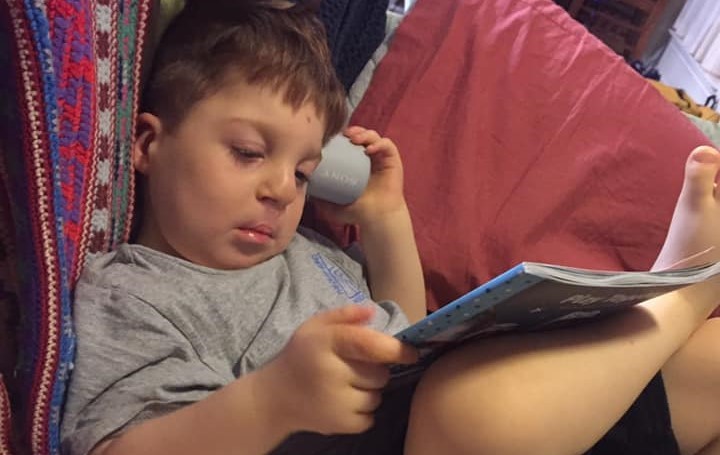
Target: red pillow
524	138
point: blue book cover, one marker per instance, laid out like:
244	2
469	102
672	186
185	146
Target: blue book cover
533	296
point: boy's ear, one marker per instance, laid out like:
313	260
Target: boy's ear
149	130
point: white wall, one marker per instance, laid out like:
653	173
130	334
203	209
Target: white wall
691	60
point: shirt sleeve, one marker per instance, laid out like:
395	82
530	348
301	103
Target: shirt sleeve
131	364
390	319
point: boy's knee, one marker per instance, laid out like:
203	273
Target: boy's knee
699	359
703	358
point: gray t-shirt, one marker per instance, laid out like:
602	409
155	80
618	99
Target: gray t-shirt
155	332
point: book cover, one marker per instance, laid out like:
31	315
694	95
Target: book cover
533	296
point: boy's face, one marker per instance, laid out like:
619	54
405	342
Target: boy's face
226	189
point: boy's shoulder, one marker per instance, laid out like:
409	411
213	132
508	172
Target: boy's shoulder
127	261
124	274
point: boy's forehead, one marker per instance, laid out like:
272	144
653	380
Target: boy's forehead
237	106
235	89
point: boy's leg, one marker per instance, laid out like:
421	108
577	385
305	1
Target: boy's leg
559	392
692	382
692	375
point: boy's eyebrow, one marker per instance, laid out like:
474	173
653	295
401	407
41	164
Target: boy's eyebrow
266	128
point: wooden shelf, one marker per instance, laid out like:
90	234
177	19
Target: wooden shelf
636	31
614	20
643	5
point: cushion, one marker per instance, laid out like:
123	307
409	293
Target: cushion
355	29
524	138
708	128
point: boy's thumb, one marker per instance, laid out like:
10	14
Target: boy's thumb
348	314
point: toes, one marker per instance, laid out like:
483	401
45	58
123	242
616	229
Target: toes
701	172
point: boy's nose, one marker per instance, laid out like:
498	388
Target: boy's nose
279	187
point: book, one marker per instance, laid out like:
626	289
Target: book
534	296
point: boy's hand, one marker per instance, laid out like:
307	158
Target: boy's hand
384	192
329	378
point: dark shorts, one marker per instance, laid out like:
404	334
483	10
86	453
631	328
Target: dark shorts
386	437
644	430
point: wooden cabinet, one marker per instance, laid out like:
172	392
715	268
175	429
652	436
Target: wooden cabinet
624	25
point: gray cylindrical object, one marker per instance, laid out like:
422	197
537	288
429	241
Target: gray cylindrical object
343	172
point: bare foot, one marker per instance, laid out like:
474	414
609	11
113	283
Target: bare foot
694	234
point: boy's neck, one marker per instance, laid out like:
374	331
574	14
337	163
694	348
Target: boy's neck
149	235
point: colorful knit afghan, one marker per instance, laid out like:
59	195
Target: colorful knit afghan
69	75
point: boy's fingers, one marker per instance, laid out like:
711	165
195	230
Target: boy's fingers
383	144
363	136
369	402
353	129
367	345
348	314
352	340
368	376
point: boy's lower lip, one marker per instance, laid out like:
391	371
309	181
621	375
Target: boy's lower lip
253	236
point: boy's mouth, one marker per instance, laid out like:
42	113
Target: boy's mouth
260	233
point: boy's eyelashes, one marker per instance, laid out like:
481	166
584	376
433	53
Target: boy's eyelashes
242	154
302	177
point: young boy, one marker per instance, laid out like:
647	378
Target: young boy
224	329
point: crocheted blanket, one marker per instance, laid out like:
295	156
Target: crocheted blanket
69	94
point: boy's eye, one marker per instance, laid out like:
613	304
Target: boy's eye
245	154
304	171
302	177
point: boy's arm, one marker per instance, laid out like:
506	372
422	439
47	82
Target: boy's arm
314	384
236	418
386	232
393	263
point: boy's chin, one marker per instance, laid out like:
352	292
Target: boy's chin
232	263
232	259
246	263
231	253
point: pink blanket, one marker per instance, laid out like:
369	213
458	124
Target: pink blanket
524	138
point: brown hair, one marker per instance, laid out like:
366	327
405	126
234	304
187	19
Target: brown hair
212	41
